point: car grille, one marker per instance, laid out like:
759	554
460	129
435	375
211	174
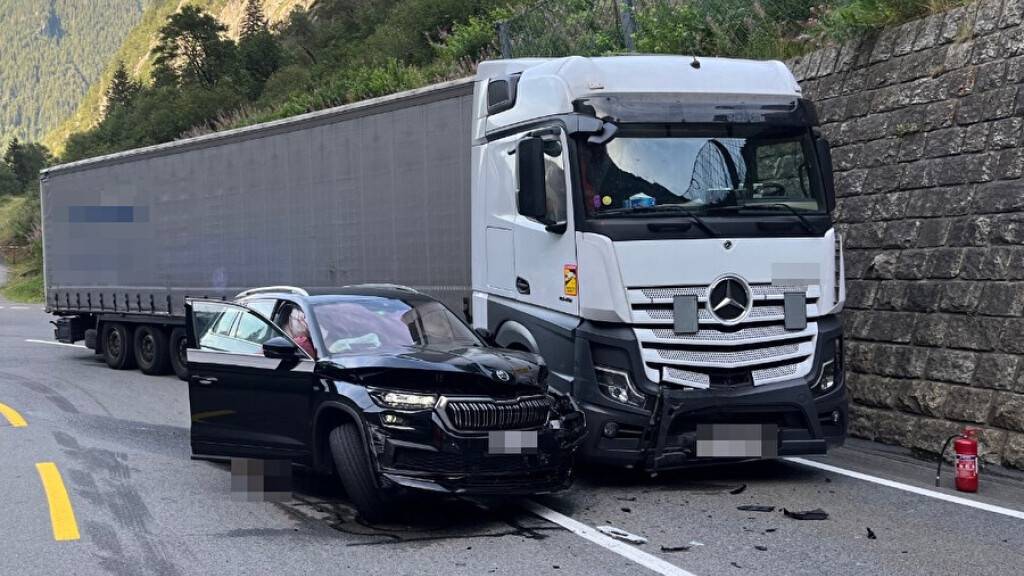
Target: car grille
485	414
759	346
451	463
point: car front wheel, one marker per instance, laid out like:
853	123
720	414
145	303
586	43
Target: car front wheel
374	504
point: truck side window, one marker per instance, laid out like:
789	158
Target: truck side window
554	179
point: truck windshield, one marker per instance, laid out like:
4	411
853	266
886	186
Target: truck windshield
668	172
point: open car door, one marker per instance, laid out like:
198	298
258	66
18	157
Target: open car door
250	386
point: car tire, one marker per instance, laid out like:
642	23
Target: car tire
152	353
117	346
177	344
350	460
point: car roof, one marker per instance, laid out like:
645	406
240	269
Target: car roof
392	291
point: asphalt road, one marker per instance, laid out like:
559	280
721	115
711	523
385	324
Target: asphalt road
120	443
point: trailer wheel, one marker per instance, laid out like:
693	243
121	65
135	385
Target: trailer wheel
151	350
177	345
117	346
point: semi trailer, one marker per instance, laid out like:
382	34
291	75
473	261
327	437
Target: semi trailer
658	228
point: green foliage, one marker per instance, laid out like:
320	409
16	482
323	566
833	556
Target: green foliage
192	49
122	90
856	16
50	53
9	183
259	52
25	161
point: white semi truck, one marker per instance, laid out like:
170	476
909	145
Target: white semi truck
656	227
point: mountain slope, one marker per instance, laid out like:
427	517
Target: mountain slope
51	51
134	51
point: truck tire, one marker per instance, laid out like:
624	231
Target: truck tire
152	353
117	346
373	503
177	344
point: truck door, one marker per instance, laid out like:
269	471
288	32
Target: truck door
244	404
545	249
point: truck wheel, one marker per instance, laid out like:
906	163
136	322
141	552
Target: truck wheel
373	503
151	350
117	346
177	344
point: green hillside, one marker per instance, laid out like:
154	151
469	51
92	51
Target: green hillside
51	51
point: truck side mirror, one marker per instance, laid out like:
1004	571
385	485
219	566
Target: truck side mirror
532	196
828	181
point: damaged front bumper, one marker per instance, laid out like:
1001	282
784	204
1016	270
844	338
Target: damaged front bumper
429	455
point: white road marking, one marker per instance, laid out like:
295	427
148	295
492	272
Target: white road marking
621	548
19	307
908	488
55	343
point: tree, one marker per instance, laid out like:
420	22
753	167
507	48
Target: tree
258	49
254	22
9	183
191	48
26	160
122	90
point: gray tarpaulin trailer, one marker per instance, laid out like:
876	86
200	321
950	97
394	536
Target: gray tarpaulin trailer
377	191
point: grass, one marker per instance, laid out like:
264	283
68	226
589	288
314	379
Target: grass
24	283
25	276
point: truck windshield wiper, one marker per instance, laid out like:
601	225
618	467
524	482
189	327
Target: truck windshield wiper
773	205
662	208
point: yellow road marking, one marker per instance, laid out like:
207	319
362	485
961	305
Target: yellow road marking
61	515
12	416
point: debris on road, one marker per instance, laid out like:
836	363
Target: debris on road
683	548
621	534
738	490
770	530
761	547
816	514
626	510
871	534
736	564
626	498
755	508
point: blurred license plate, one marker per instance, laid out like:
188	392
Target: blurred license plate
737	440
512	442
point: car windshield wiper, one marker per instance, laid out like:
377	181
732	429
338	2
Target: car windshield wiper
641	211
773	205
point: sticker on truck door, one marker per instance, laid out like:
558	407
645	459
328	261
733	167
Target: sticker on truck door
569	278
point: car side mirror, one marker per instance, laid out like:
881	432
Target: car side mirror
485	335
532	195
280	347
828	180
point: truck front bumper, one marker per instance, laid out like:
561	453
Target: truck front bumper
665	434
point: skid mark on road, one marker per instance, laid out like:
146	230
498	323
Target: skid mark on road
12	416
62	516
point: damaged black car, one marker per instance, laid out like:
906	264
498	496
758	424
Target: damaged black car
381	384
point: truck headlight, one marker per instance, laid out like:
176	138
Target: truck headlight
616	385
403	400
830	369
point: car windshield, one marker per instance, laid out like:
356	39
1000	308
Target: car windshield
365	323
667	171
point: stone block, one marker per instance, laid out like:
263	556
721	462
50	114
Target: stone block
923	397
968	404
987	18
998	371
951	366
1003	196
1008	411
1002	299
933	232
1013	451
960	297
1008	229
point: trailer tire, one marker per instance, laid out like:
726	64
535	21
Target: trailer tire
151	350
117	346
374	504
177	344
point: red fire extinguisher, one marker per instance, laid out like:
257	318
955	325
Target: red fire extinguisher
966	448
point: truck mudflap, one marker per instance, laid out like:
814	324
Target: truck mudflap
700	427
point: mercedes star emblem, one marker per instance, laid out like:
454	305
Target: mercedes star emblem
729	299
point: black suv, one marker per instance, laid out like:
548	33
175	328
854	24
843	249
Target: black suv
381	383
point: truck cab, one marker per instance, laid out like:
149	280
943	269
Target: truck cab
659	229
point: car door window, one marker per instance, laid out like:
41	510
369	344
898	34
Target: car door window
245	331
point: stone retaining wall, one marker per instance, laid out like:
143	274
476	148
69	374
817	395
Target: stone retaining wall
926	124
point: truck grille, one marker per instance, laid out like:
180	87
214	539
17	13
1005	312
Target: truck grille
759	346
486	414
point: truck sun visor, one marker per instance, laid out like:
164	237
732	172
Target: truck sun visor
684	310
795	310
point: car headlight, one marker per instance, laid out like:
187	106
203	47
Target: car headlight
616	385
403	400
